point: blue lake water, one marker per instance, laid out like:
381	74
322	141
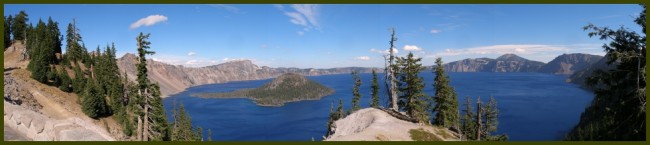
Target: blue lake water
533	106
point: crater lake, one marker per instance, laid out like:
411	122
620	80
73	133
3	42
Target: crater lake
532	106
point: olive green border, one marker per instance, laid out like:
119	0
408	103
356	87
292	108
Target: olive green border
330	2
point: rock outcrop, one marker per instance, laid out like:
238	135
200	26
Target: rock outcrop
38	127
176	78
504	63
372	124
568	64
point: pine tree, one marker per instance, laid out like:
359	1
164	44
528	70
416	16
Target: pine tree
618	111
374	90
7	29
339	110
66	82
19	26
492	122
355	92
468	124
73	48
199	134
411	97
446	107
93	104
152	123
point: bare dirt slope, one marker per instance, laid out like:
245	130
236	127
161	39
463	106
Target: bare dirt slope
36	111
372	124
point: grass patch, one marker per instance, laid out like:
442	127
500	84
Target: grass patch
443	133
422	135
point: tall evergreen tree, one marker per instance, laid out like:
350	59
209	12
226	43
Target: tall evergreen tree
618	111
446	107
491	121
93	103
468	124
73	48
19	26
355	92
55	37
152	124
7	30
182	125
411	96
339	110
374	90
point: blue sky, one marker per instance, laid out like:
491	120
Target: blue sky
326	36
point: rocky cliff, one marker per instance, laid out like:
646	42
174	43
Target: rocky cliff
176	78
580	76
504	63
567	64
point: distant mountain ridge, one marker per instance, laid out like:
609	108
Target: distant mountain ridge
570	63
176	78
504	63
565	64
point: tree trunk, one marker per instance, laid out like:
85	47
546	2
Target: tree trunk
145	133
138	135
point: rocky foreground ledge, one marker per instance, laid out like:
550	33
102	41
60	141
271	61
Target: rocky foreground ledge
372	124
38	127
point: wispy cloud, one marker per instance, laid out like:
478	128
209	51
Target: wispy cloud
434	31
228	8
191	53
148	21
411	48
305	15
395	50
362	58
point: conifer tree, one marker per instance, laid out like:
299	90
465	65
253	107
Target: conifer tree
339	110
446	107
411	96
618	111
19	26
93	103
7	31
73	48
152	123
355	93
468	124
374	90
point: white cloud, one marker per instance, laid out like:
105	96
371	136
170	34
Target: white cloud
191	53
503	49
300	33
278	6
305	15
310	11
362	58
148	21
395	50
228	8
296	18
411	48
434	31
